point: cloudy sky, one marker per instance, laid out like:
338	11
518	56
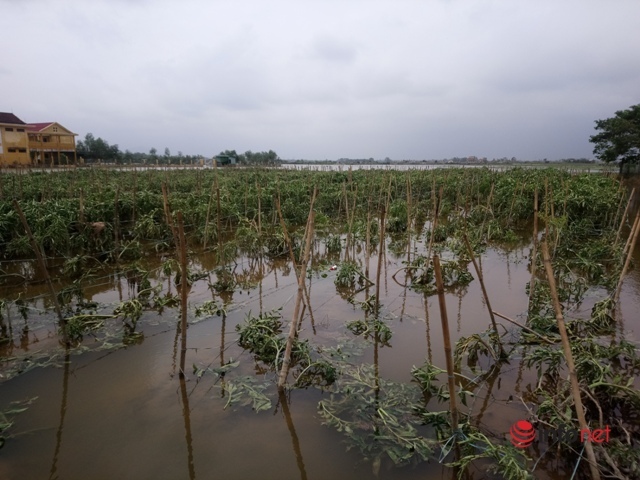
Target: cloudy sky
311	79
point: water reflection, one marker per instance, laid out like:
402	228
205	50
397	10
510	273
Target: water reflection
63	412
297	451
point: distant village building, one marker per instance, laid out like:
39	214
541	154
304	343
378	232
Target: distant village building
50	144
14	142
47	143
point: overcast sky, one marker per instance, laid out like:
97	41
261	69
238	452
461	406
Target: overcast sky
405	79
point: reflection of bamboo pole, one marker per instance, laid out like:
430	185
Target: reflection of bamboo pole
186	415
485	294
632	245
293	328
453	407
294	436
63	413
573	377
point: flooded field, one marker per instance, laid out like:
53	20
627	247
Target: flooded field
365	398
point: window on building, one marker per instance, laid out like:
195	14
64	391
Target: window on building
55	129
22	150
13	150
8	129
20	130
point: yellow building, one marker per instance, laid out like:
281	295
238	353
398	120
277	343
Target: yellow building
51	144
14	142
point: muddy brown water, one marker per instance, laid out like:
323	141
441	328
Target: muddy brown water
106	413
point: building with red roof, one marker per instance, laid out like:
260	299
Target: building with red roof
51	144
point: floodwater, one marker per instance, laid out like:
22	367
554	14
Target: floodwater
105	413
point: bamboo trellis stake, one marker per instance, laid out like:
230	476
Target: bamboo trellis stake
167	213
634	238
43	266
453	407
624	215
206	222
116	220
534	252
502	353
573	376
293	328
184	292
630	237
381	244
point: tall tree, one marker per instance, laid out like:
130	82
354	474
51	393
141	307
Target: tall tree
619	138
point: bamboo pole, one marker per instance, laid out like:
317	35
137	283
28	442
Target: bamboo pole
367	239
116	221
206	223
453	407
630	237
408	220
167	213
485	294
43	267
573	377
82	207
293	328
534	249
634	235
184	292
381	244
524	327
259	210
624	216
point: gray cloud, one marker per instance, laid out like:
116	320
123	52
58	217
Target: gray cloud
328	79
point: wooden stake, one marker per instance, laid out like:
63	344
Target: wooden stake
381	246
534	253
206	223
632	246
630	237
453	407
167	213
624	216
485	294
116	221
293	328
43	267
184	292
573	377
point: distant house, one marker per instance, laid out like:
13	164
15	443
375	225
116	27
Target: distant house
50	143
14	142
225	159
47	143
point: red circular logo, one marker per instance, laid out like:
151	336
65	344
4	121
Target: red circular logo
522	434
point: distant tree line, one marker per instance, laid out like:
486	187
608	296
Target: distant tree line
248	158
94	150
